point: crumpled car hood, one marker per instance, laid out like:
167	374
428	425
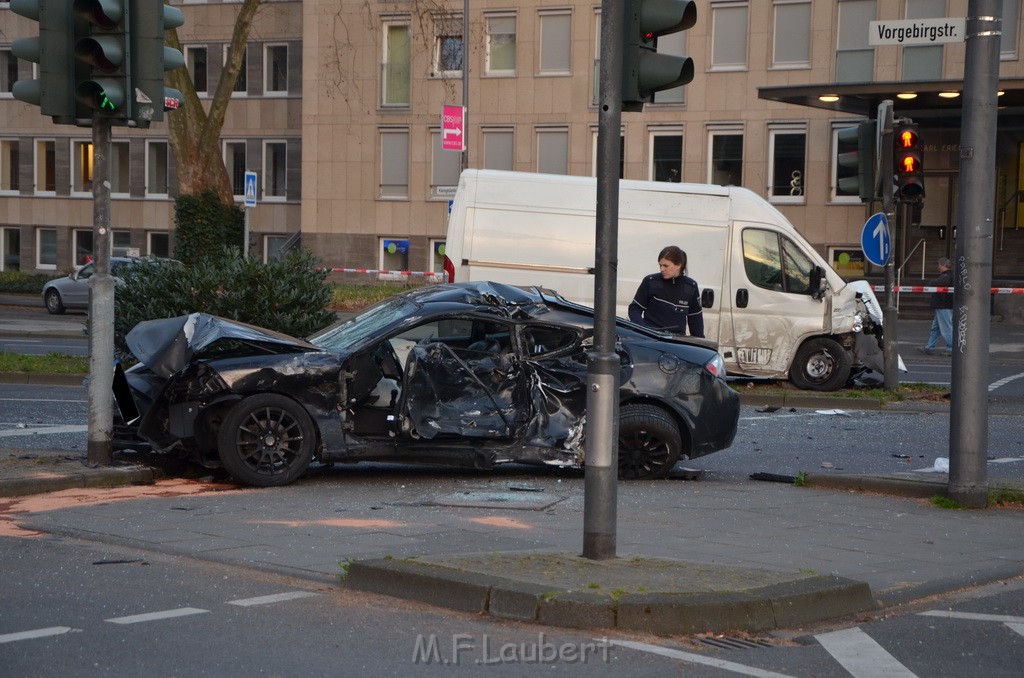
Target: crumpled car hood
167	345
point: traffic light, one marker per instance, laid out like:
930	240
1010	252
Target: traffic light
151	59
907	161
101	43
54	90
644	70
857	159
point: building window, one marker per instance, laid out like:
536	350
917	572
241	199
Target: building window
445	167
593	153
923	62
1008	41
275	69
242	81
156	168
121	242
119	168
395	69
729	36
499	151
234	161
787	162
275	170
448	47
555	43
273	247
394	255
195	61
595	76
10	162
501	45
46	249
437	247
666	156
672	44
82	243
553	151
46	166
855	59
843	191
8	71
394	163
725	158
158	244
81	166
10	249
791	46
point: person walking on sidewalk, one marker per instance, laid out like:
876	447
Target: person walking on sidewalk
942	310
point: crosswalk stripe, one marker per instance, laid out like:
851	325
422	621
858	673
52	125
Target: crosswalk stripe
36	633
698	659
156	616
1006	619
275	598
860	655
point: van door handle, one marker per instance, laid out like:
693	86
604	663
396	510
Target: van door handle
742	298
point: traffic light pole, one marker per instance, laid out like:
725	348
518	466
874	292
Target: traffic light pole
101	305
601	431
890	350
972	270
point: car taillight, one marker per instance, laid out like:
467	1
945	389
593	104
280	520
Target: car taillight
716	366
449	269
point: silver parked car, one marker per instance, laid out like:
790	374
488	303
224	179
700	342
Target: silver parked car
72	291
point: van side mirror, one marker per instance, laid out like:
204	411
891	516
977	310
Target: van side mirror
707	298
817	283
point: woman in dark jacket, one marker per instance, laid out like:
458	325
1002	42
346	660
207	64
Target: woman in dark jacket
669	300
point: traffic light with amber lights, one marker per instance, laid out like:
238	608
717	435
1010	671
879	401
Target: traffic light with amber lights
644	70
908	162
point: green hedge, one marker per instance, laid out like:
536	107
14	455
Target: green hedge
16	281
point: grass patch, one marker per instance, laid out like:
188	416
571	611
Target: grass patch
945	503
801	479
1006	497
355	297
907	391
51	363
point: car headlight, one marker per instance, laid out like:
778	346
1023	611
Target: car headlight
858	322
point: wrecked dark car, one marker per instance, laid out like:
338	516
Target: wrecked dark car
472	374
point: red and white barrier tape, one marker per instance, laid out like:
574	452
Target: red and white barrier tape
919	288
374	271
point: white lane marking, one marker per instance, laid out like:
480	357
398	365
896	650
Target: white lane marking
41	400
22	341
1019	628
1006	619
697	659
47	430
275	598
156	616
37	633
1004	381
860	655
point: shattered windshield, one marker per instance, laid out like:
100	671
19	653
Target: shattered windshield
368	324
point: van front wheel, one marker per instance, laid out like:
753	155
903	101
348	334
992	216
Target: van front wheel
821	365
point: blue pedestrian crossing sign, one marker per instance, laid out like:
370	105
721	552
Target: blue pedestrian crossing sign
874	239
250	189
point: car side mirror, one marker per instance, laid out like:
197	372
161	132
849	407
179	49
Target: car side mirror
817	283
707	298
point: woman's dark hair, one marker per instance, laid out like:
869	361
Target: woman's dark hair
675	255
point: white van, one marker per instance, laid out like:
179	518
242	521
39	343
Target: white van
771	302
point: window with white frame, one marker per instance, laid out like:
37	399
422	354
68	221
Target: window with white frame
555	43
923	62
394	255
156	168
437	260
121	242
242	81
553	150
593	153
501	44
158	244
725	157
394	163
8	71
195	61
46	249
82	244
275	170
275	69
787	163
595	75
791	43
395	71
234	162
46	166
1008	40
10	165
448	47
120	167
81	166
499	151
728	36
445	167
273	246
666	155
855	59
844	179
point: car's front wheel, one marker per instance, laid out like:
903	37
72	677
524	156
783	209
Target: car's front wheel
54	304
821	364
266	440
649	442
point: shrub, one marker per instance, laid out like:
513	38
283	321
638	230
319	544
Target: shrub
204	225
16	281
288	294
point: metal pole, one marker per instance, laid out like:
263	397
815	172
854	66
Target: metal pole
465	84
602	427
890	350
245	236
972	269
101	305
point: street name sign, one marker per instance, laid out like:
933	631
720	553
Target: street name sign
917	31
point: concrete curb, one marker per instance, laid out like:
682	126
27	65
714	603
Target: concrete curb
42	378
89	477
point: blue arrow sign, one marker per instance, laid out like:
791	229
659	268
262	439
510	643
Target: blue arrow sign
874	239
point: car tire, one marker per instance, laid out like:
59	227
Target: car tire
266	440
821	365
649	442
54	304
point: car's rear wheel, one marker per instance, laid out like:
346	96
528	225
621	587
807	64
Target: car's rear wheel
54	304
266	440
649	442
